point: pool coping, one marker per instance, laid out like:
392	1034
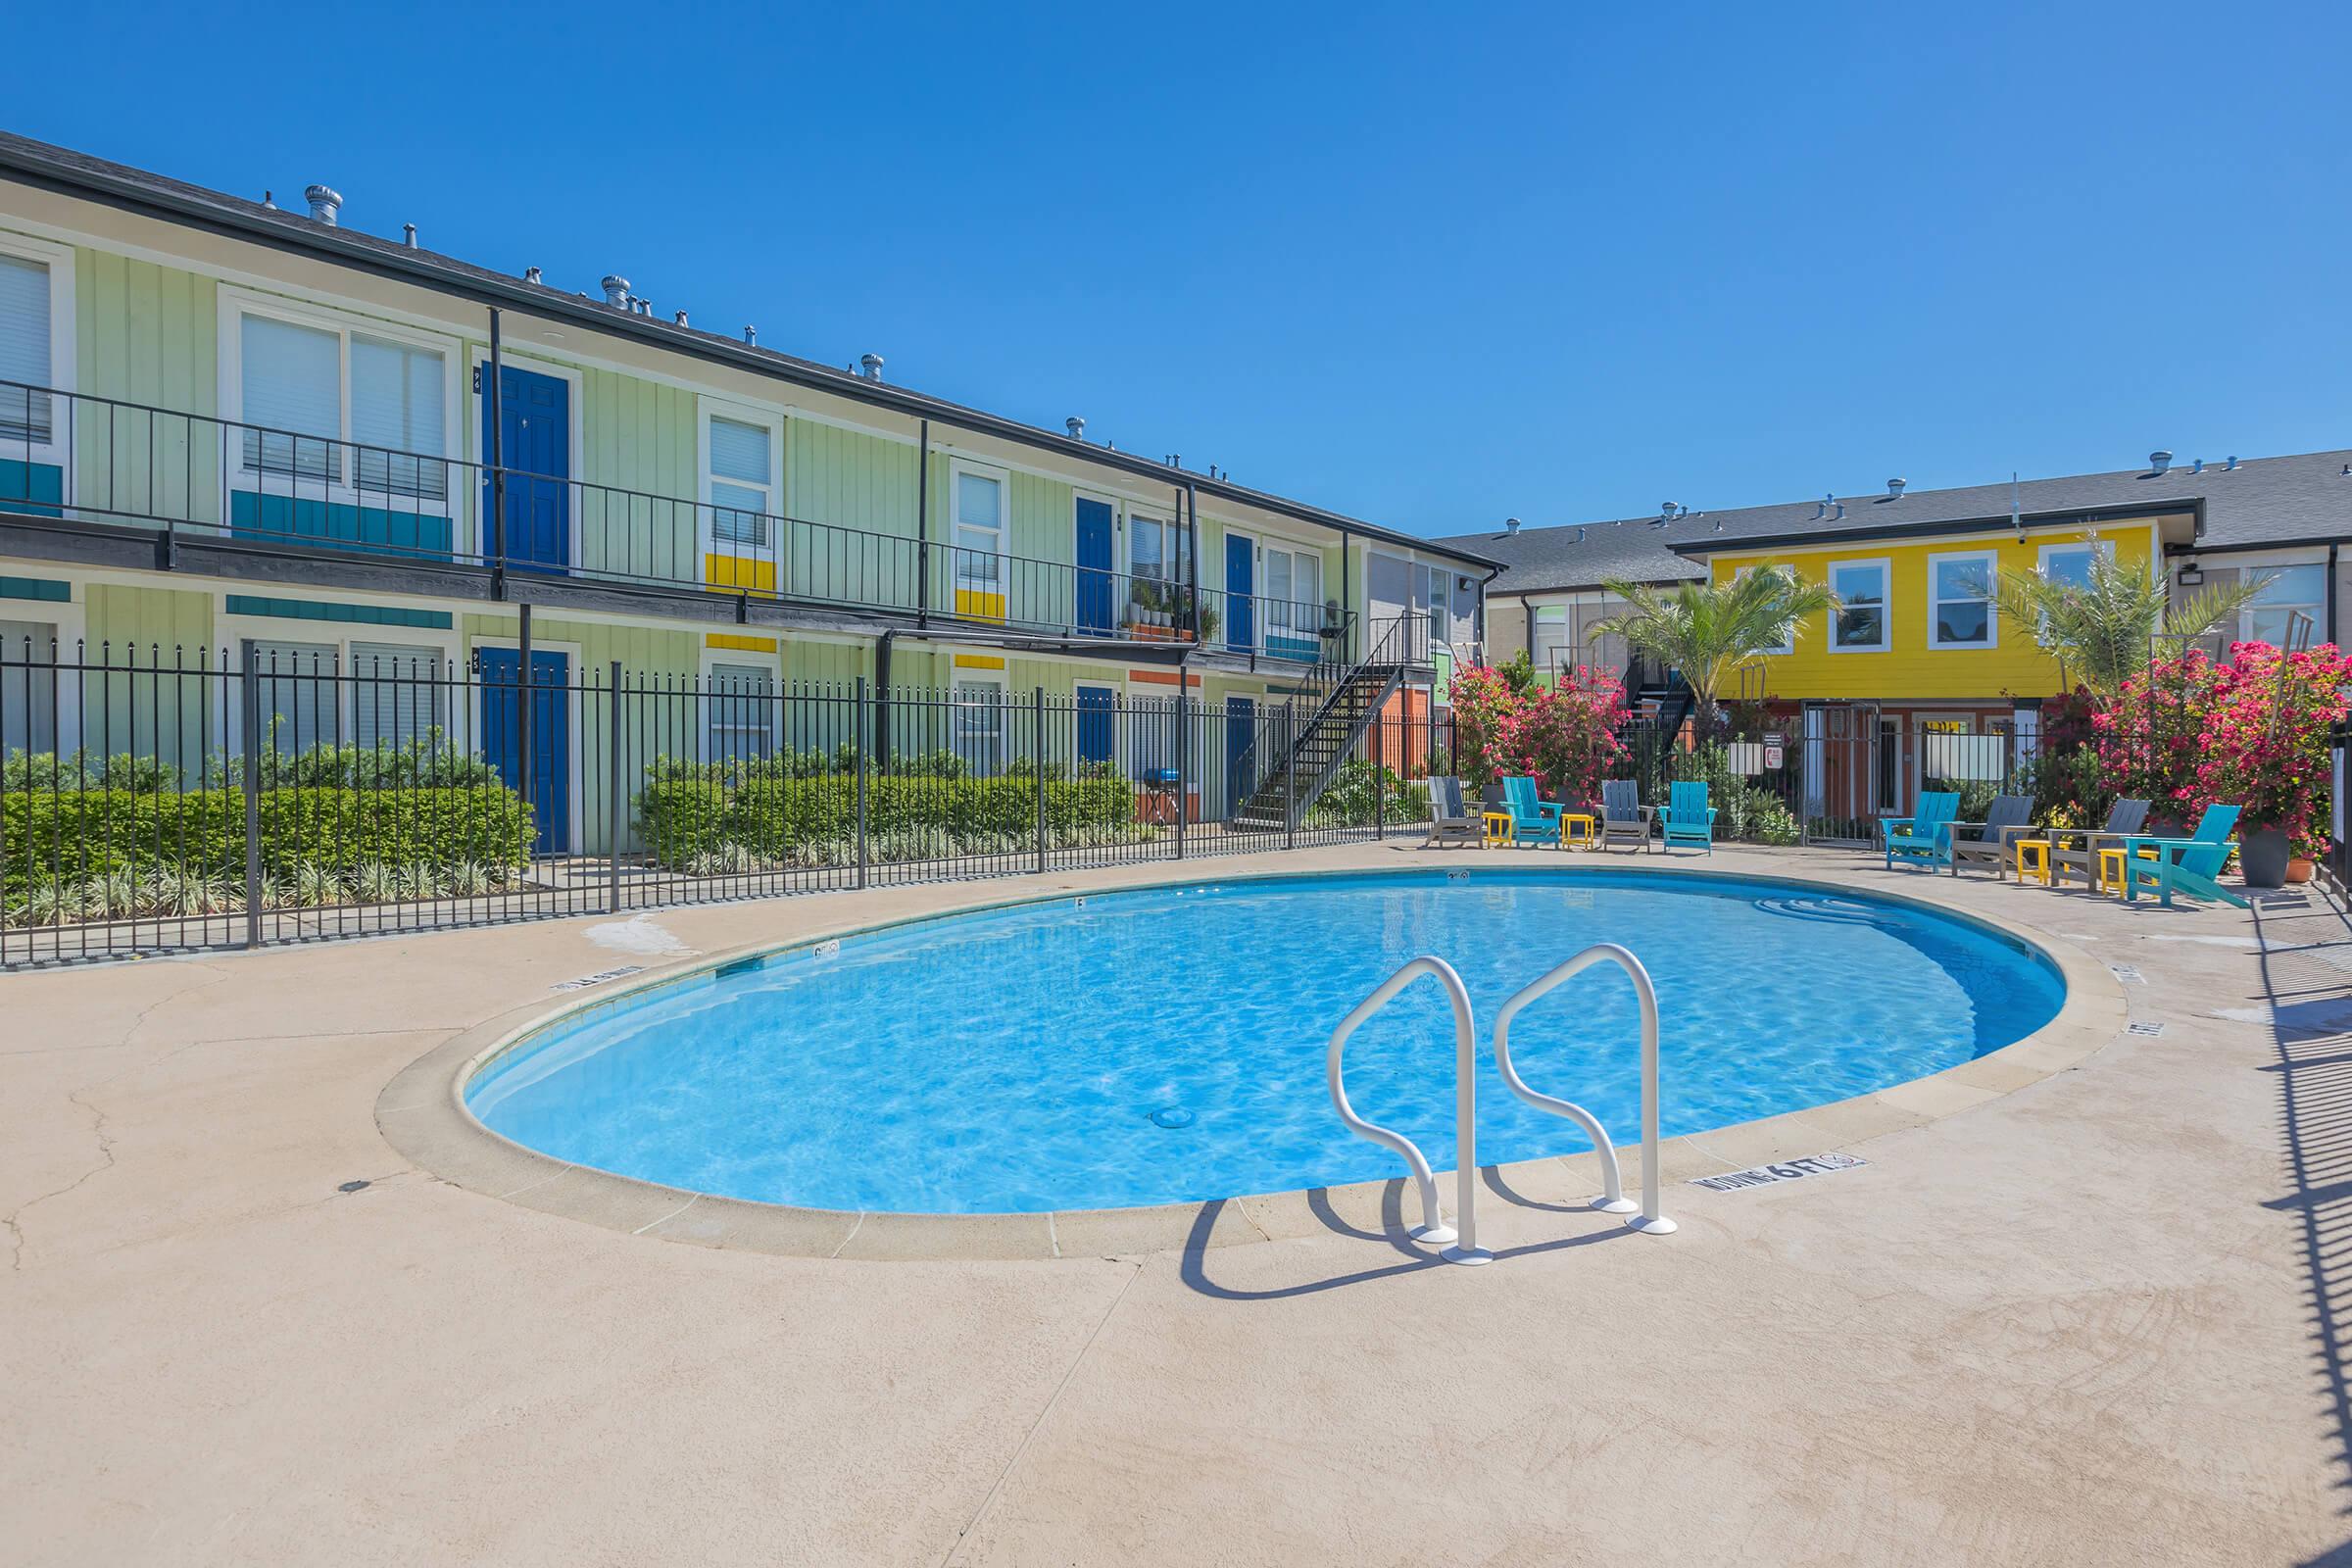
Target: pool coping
423	1114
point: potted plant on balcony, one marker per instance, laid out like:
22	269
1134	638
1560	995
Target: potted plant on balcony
1148	612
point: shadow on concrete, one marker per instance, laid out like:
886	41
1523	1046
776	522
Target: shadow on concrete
2305	964
1414	1257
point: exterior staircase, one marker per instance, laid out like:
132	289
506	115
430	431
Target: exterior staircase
1297	751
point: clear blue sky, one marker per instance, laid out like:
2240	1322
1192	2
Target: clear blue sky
1428	264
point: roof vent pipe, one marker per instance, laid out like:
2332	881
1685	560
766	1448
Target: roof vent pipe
407	235
2160	459
1511	526
870	366
2231	465
268	201
680	318
530	275
1665	511
1894	488
1076	425
2197	465
617	291
325	201
751	335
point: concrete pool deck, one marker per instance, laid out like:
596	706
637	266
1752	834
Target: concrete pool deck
2090	1310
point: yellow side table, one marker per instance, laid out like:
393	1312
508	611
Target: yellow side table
2038	864
1576	830
1498	828
2111	871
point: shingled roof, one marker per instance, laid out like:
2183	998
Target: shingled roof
2304	499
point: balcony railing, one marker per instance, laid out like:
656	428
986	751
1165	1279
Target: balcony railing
77	458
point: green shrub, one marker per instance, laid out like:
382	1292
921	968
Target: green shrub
1347	800
682	818
91	834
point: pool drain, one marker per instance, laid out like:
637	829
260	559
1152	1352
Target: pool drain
1172	1116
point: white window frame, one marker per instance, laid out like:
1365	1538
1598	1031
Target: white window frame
1292	552
1886	567
238	302
1991	560
707	541
2068	547
772	663
998	680
232	629
1788	644
72	644
2263	566
957	551
59	259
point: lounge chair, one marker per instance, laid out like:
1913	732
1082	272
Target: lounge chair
1449	820
1622	813
1533	820
2191	865
1687	817
2078	848
2007	820
1925	837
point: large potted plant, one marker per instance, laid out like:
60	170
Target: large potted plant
2265	746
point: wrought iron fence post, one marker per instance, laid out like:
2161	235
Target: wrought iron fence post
613	812
1380	803
1037	750
863	748
1183	759
1290	775
251	680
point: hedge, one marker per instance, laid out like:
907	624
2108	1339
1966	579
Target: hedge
682	818
80	834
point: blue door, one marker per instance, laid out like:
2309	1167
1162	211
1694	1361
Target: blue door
1096	705
1241	731
551	734
536	410
1095	600
1241	569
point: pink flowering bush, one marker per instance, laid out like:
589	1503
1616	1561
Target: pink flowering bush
1564	736
2253	732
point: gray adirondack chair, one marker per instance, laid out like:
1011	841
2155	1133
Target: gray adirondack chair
1449	820
2078	849
1622	813
1988	842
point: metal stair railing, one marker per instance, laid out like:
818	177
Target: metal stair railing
1329	684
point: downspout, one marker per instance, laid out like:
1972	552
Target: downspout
922	525
881	739
1189	496
2331	637
497	456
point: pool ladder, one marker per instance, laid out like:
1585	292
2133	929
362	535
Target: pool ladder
1461	1238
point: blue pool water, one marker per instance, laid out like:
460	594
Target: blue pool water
1167	1045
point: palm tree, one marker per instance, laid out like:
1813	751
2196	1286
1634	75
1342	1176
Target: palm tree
1706	631
2102	632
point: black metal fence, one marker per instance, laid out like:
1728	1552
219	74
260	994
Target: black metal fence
155	799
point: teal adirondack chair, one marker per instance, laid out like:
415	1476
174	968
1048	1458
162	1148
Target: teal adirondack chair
1687	817
1925	837
2191	865
1533	820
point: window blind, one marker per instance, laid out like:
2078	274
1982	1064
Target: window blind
293	380
398	402
25	414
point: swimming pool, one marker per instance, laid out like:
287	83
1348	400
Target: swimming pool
1166	1045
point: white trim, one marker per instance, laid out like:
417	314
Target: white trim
71	620
572	797
1886	565
232	630
708	408
772	663
236	302
1991	562
478	410
1003	478
2041	561
62	355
